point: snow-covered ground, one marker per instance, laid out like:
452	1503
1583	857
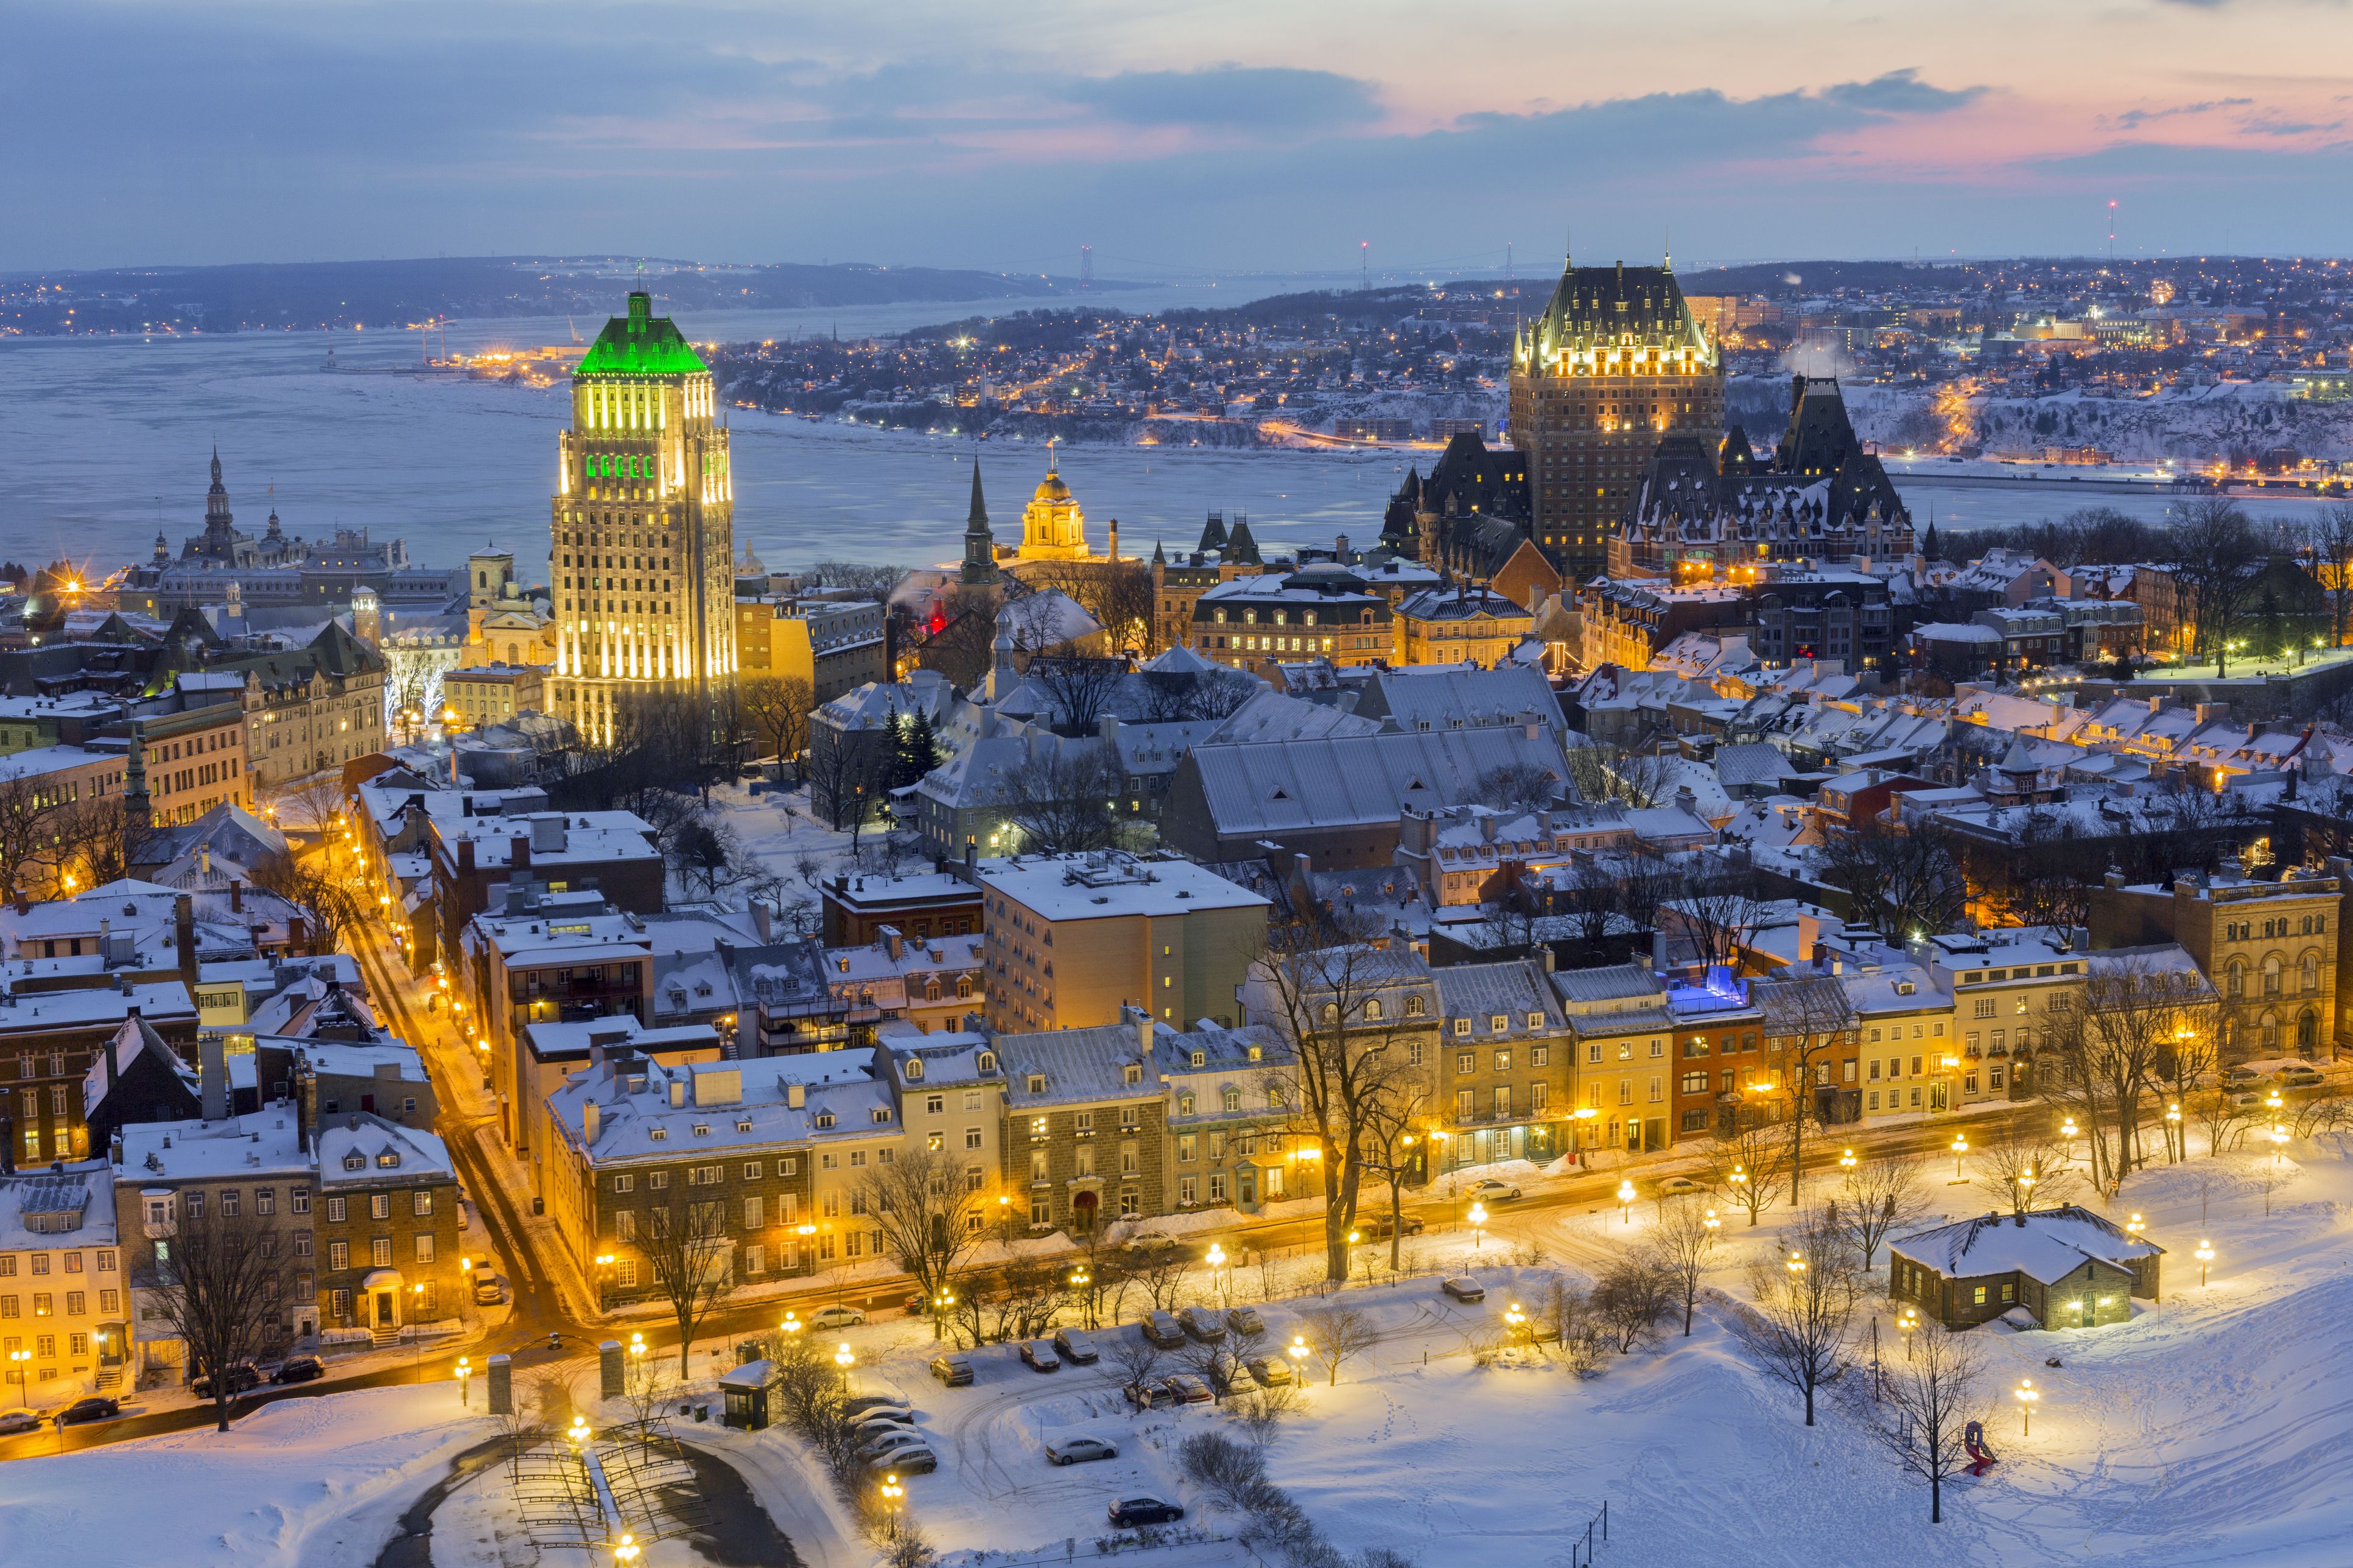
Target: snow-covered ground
2207	1430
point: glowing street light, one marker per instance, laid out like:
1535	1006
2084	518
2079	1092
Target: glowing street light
1513	1318
578	1431
792	1323
1960	1147
2027	1393
2134	1225
2205	1255
1712	1222
626	1551
1478	1220
845	1361
464	1371
1796	1264
1625	1202
1847	1162
1907	1323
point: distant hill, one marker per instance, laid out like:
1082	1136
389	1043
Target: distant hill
308	295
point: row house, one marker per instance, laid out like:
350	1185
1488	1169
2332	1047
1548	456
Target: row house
935	984
1503	1068
1086	1111
65	1322
1234	1133
1462	854
52	1047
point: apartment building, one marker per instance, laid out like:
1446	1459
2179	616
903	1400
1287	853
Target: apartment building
1620	1028
51	1040
63	1302
2269	948
1504	1063
1071	940
935	984
485	694
1235	1137
951	1095
387	1244
1086	1112
610	851
2006	997
835	644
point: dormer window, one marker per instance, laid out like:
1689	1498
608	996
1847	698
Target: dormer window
881	1116
659	1134
355	1162
1185	1105
1132	1073
1232	1098
915	1068
1256	1052
1413	1006
1373	1008
387	1161
1036	1083
985	1061
1535	1020
743	1126
1200	1058
824	1118
1497	1023
703	1130
1462	1026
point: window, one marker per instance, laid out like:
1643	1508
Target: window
424	1247
1462	1026
1593	1052
1540	1055
420	1202
106	1260
231	1201
380	1251
379	1206
335	1210
339	1255
1414	1006
624	1184
972	1137
1465	1062
751	1170
1977	1295
265	1200
1503	1061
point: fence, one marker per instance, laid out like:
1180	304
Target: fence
1599	1521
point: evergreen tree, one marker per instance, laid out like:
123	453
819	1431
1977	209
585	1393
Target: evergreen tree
914	749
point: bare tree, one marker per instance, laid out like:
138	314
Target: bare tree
1060	798
2110	1044
1515	788
2185	1065
1159	1272
1718	907
778	706
217	1287
849	776
2329	555
1632	1294
1934	1392
927	1216
864	578
1223	1362
1800	1330
1340	1007
1133	1359
1810	1020
323	894
2216	561
689	1255
1080	689
2224	1120
1747	1167
1881	1196
1393	1117
1900	883
2023	1166
1601	772
1336	1336
1682	1243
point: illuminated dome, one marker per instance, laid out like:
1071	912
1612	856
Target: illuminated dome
1051	488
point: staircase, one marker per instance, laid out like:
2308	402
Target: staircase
382	1338
109	1377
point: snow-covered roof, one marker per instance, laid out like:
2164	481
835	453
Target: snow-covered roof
259	1143
45	1209
362	1147
2048	1246
1107	883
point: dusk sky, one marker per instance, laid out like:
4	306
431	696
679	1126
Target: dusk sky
1220	135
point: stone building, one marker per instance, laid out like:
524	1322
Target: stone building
1086	1116
643	549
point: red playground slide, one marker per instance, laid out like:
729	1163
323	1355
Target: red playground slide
1981	1458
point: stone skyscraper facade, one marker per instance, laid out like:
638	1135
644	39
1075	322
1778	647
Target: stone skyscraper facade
642	545
1614	366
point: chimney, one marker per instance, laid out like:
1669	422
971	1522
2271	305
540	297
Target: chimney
236	895
183	936
796	1096
464	856
895	942
1549	958
678	1094
113	1070
298	932
521	857
213	1077
592	1121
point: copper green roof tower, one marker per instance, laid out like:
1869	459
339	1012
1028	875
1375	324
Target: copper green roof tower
642	537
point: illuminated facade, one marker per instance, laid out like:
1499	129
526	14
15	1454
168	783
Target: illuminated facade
642	558
1052	526
1615	364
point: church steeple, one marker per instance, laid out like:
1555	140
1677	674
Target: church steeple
979	545
138	808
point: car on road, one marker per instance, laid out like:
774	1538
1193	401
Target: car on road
302	1369
242	1376
1188	1389
490	1290
1038	1354
1268	1371
1148	1241
1385	1226
1205	1324
1488	1190
1675	1186
97	1407
866	1401
1462	1287
1245	1321
1076	1347
20	1420
1163	1329
1127	1512
1079	1450
836	1317
916	1461
953	1370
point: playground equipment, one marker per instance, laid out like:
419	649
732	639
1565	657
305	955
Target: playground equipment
1981	1458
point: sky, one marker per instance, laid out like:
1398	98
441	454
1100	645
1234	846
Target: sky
1215	136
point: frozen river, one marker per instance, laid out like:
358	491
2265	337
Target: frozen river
103	442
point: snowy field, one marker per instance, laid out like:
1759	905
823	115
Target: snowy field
2206	1431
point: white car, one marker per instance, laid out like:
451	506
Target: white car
20	1420
836	1317
1675	1186
1079	1450
1489	1190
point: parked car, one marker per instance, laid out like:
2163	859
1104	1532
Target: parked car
1163	1329
953	1370
242	1376
1205	1324
1487	1189
1148	1241
1245	1321
1076	1347
1675	1186
1462	1287
884	1442
302	1369
878	1423
836	1317
2297	1077
1150	1396
916	1461
1270	1370
490	1290
1079	1450
866	1401
1039	1355
97	1407
20	1420
1385	1226
1188	1389
1127	1512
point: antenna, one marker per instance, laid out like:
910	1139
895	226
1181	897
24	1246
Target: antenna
1364	264
1086	267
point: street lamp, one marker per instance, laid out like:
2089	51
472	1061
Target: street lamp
1514	1318
465	1371
2134	1225
1796	1264
578	1431
1907	1324
1625	1201
1712	1222
1478	1220
845	1361
625	1551
1847	1162
1960	1147
2205	1255
2027	1395
1298	1355
2173	1128
893	1494
792	1323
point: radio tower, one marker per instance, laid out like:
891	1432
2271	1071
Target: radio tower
1365	266
1508	278
1086	267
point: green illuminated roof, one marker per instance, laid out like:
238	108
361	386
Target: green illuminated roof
641	343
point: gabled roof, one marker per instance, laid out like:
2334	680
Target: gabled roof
1348	780
2051	1244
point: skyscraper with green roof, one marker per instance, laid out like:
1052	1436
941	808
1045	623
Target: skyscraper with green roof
643	542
